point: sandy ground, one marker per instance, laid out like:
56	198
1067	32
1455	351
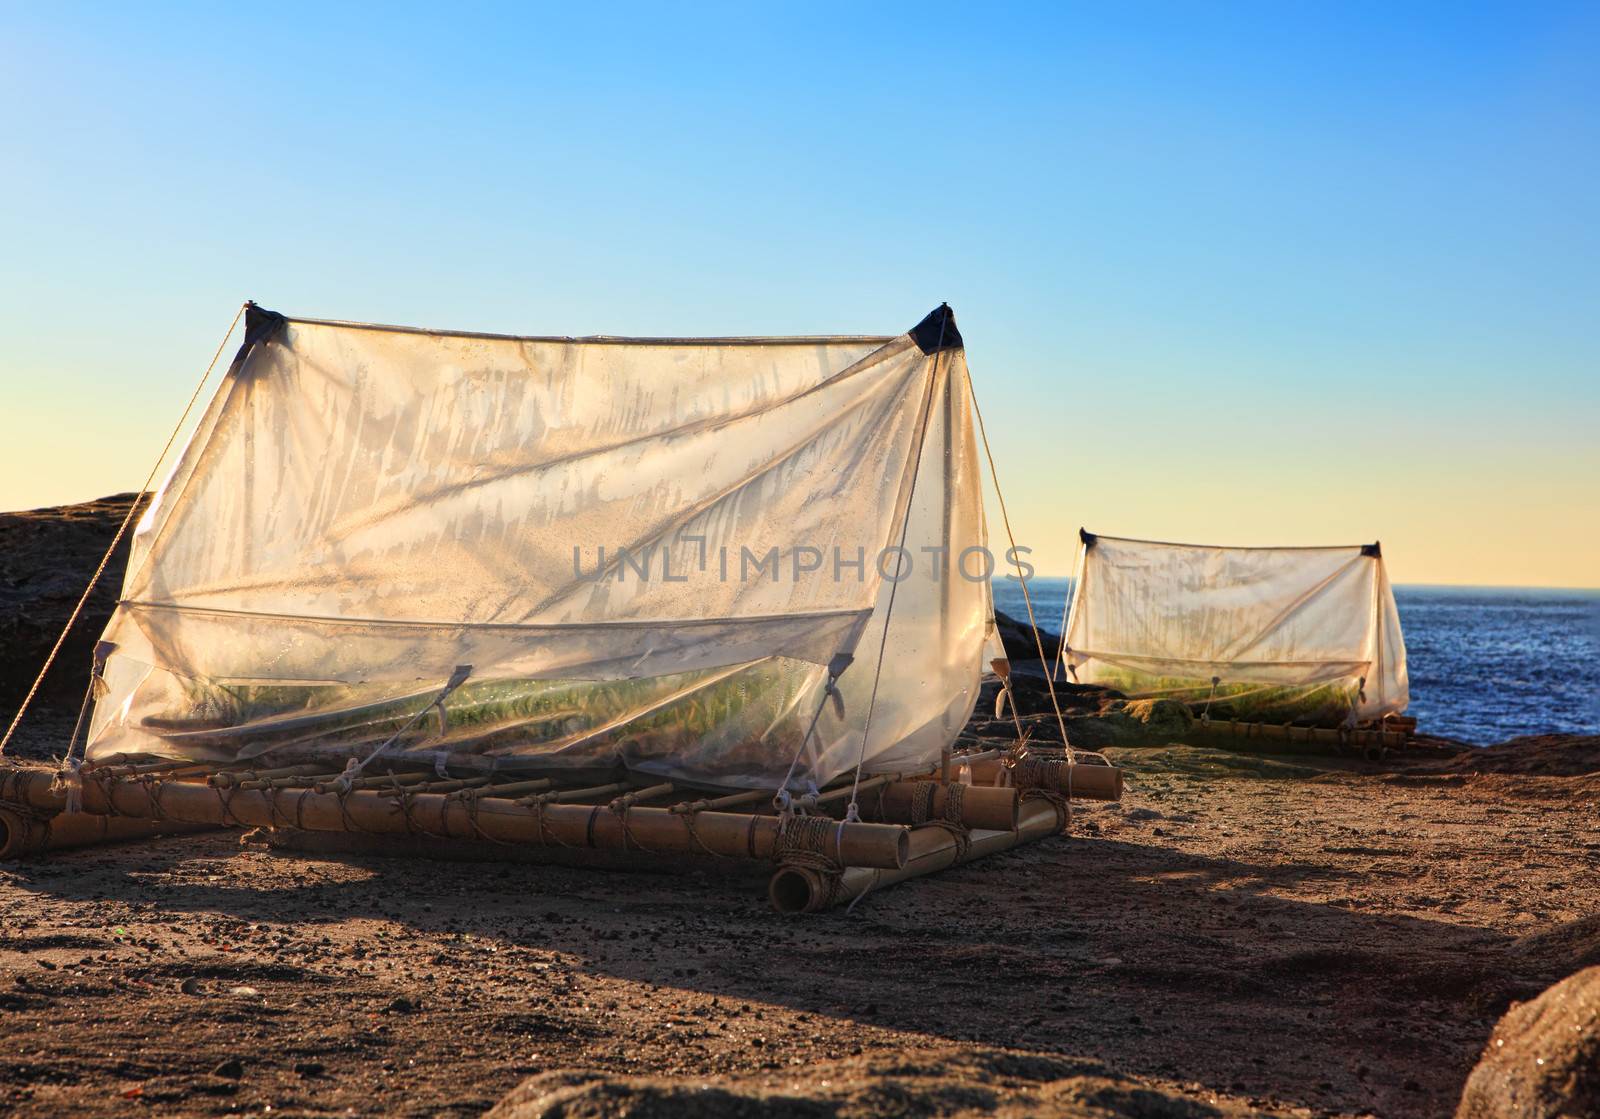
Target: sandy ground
1272	935
1238	936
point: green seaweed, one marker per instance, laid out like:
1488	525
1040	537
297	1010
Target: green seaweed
721	719
1327	704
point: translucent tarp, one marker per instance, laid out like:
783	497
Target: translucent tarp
647	551
1288	634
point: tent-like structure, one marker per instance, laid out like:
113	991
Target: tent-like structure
534	553
644	597
1308	635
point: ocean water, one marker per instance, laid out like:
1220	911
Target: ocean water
1486	663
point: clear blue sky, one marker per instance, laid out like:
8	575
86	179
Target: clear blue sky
1273	273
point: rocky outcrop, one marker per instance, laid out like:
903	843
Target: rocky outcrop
46	559
952	1082
1018	638
1543	1060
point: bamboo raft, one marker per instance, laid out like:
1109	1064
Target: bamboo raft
1371	743
910	825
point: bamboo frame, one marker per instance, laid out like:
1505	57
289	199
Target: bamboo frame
804	889
24	833
822	859
495	819
1342	738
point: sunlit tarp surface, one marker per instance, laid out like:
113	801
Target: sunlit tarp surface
1303	634
645	550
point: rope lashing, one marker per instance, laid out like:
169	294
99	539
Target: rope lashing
1027	598
346	780
122	530
921	807
802	841
952	819
781	800
71	763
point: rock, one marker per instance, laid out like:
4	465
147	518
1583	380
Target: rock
1544	755
1543	1059
231	1069
46	558
943	1080
1018	638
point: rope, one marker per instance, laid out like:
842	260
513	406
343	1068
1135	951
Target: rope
781	800
122	529
694	834
83	711
1023	579
224	799
921	802
346	780
1062	805
1205	712
853	810
803	841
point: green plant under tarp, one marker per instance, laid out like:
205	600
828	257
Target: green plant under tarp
722	720
1317	705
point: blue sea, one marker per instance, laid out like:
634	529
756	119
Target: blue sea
1486	663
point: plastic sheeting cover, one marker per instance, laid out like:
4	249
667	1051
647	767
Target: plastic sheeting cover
1305	634
645	551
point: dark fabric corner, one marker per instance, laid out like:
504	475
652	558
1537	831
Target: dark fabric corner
260	323
1372	549
1087	537
938	331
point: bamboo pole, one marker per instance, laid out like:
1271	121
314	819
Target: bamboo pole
23	832
981	806
843	792
732	800
383	781
496	819
1308	735
508	789
802	889
1081	781
230	779
566	796
166	769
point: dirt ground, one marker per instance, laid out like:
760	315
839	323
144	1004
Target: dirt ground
1244	934
1238	936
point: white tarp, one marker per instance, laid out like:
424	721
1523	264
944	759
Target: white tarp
1286	633
645	550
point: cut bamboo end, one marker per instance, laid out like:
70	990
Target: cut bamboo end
804	889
